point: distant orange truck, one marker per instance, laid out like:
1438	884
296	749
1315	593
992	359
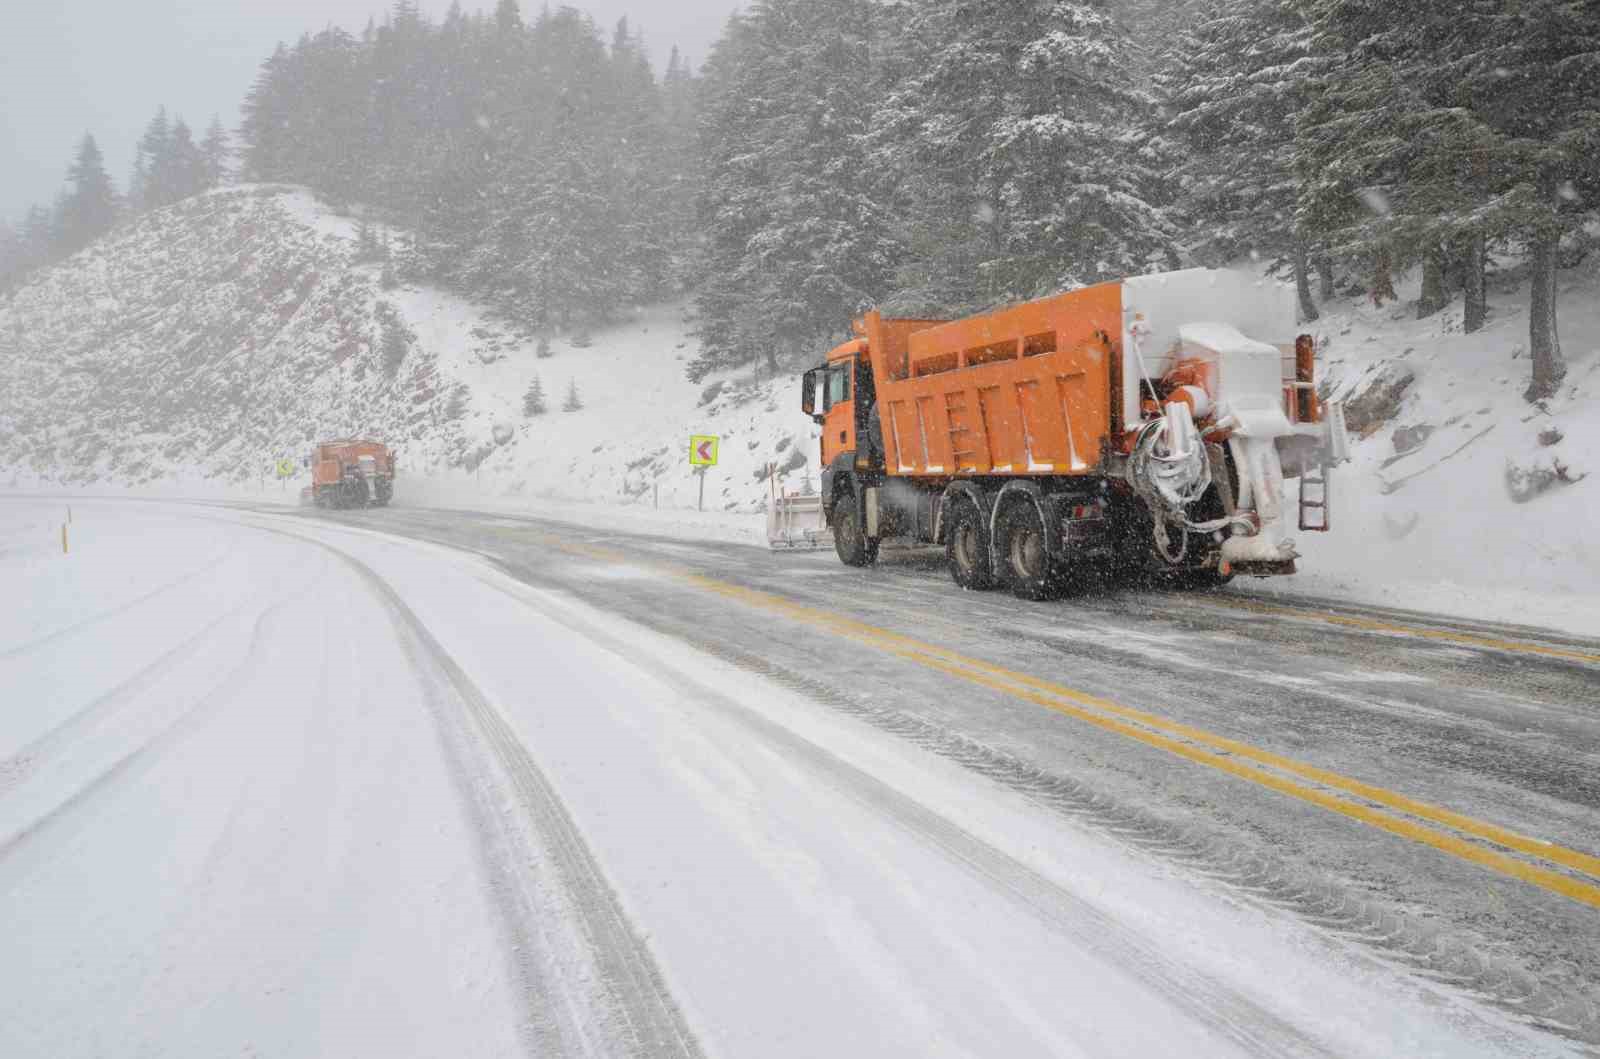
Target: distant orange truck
1146	423
350	473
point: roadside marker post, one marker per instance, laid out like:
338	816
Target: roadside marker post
63	538
702	457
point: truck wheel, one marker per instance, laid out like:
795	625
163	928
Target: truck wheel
848	539
1026	552
966	548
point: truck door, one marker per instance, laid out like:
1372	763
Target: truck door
838	410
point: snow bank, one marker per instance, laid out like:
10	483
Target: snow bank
1439	528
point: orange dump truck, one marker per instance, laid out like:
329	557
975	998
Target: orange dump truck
350	473
1147	424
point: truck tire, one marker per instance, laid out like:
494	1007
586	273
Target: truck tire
966	548
1026	552
849	536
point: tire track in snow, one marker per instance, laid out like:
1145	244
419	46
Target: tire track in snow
23	764
95	619
1230	1014
635	994
149	751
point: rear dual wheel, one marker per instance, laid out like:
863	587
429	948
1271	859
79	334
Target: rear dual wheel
1025	550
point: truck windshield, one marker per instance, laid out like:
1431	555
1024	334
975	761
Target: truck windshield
835	385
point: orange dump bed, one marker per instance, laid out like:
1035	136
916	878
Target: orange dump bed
331	457
1027	390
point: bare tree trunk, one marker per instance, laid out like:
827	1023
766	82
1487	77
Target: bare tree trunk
1383	277
1543	343
1302	282
1324	265
1432	298
1474	294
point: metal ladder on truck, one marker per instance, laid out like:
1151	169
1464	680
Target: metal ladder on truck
1314	513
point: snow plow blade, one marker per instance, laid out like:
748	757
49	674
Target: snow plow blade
796	522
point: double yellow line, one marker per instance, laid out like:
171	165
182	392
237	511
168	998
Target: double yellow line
1497	848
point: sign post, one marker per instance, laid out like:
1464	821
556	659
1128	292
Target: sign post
285	470
702	457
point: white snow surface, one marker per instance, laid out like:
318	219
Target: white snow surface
1449	540
232	822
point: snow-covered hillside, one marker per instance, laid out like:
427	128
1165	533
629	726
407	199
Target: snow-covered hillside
1461	495
207	341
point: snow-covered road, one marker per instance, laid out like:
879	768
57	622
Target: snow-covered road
285	786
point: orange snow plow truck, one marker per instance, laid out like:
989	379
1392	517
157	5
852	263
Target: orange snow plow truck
350	473
1145	424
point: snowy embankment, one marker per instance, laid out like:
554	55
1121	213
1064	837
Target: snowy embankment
1456	524
1462	497
289	788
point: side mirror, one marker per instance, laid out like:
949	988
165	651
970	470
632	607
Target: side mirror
808	392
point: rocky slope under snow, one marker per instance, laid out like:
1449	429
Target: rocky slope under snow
207	341
212	337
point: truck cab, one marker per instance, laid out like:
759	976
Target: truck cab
831	395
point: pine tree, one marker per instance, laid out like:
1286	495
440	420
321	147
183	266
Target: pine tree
1234	82
395	338
1015	135
90	207
1463	123
796	241
12	255
187	164
146	188
533	401
543	350
572	402
216	152
39	237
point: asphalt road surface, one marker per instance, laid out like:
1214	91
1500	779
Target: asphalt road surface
1419	795
1425	786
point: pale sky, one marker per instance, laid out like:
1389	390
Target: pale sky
103	66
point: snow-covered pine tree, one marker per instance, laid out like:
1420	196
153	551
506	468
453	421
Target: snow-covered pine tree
216	152
533	400
1534	80
90	207
145	190
796	243
1020	121
264	130
1463	123
572	402
1387	160
1233	83
11	255
187	163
